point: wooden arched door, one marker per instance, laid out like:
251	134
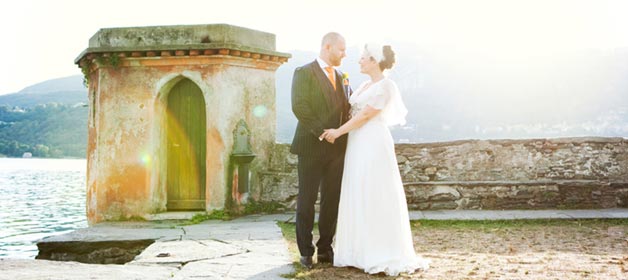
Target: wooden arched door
186	134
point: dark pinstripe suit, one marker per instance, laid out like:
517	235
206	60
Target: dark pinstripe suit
318	106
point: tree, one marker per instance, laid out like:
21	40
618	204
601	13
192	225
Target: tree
53	130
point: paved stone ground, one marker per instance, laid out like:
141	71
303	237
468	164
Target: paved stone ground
246	248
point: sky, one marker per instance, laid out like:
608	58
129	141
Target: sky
41	38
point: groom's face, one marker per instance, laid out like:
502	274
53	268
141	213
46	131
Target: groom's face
337	52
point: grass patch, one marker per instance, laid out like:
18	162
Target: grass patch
250	208
298	272
255	207
214	215
289	231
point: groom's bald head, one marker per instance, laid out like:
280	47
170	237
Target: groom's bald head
331	38
333	48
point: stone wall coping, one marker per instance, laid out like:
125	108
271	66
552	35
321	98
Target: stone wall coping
577	140
566	140
508	183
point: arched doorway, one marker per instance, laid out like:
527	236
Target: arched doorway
186	146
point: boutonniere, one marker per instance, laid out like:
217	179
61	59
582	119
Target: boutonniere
347	86
345	78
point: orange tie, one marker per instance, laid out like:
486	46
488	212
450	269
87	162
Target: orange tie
331	76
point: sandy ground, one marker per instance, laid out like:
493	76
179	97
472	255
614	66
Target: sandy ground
584	249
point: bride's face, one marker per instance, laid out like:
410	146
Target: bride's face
367	64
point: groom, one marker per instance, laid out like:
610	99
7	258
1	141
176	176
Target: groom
319	101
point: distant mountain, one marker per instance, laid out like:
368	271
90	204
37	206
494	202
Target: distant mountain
67	90
70	83
454	95
450	95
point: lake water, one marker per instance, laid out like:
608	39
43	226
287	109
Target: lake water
39	198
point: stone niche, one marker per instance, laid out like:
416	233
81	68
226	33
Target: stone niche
164	103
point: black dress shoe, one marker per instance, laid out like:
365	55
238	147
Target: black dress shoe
327	257
306	261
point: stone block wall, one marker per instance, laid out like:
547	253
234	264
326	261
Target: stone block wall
574	173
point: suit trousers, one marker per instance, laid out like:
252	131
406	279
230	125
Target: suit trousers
315	172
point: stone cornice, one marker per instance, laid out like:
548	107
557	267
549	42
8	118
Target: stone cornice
183	51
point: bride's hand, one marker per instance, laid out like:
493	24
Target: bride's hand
324	136
331	135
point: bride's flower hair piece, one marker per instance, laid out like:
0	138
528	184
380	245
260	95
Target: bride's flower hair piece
375	51
384	56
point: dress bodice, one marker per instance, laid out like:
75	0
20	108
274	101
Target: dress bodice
363	96
382	95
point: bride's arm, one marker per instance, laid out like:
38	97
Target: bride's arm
355	122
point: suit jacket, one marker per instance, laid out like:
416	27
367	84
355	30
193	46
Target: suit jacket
318	106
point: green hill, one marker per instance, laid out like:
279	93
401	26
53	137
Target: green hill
48	119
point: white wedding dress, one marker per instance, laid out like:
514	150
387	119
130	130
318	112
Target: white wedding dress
373	231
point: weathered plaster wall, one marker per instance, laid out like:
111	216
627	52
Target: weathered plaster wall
127	128
494	174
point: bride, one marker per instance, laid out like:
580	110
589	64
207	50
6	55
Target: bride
373	231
